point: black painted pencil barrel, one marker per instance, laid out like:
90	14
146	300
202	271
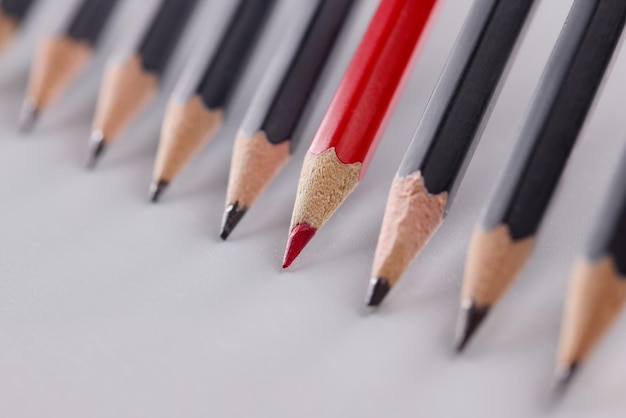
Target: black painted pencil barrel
16	9
295	91
451	125
90	19
161	38
234	51
558	111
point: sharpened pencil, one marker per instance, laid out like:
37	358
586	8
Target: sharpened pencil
597	291
61	57
503	240
266	138
351	129
131	78
443	145
196	110
12	13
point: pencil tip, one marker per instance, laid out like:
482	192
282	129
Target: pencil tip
378	290
232	217
157	189
470	319
28	116
299	237
97	146
563	378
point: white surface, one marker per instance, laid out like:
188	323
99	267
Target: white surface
111	307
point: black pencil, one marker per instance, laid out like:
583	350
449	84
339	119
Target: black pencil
196	110
266	138
132	77
503	240
12	13
598	285
443	145
62	56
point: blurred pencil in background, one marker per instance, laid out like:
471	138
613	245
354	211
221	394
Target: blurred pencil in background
12	13
266	138
62	56
503	240
598	285
197	107
349	134
132	77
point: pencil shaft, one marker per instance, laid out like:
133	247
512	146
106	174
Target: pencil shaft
349	134
90	20
16	9
165	30
271	88
362	105
557	113
443	144
224	71
306	67
450	127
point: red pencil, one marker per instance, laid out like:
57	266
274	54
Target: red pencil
349	134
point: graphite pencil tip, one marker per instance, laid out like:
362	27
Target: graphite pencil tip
97	146
563	378
28	116
470	319
299	237
378	290
232	217
157	189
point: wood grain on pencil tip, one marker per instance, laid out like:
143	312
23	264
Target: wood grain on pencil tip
130	82
330	181
60	58
193	118
503	239
268	136
353	125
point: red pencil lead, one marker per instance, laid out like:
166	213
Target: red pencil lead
299	237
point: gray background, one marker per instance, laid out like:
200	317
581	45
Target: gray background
111	307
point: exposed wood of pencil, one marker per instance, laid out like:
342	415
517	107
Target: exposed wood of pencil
57	61
256	161
186	128
411	217
493	262
596	296
61	58
325	182
126	88
11	15
8	27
